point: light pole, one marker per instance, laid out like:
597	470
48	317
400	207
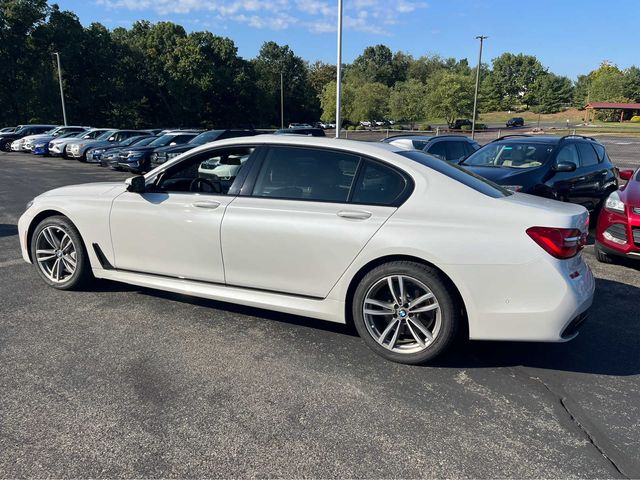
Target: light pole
339	73
475	97
64	111
281	99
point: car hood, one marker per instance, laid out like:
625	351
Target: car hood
502	175
630	195
176	148
86	189
140	149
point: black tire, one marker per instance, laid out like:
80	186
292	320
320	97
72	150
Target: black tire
445	294
6	147
82	274
602	256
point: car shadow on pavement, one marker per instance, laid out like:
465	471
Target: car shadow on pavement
8	230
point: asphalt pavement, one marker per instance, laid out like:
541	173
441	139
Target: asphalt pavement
120	381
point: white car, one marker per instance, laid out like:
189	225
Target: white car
407	247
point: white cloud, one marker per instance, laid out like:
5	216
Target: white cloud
316	16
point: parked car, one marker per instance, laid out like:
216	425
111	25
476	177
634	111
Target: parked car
44	138
310	132
618	228
299	125
409	248
41	145
573	168
451	148
515	122
138	159
8	129
94	154
78	149
58	146
458	123
6	139
162	154
111	157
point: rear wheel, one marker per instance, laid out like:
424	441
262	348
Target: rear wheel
406	312
59	255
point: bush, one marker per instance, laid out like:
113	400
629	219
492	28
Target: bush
425	126
351	127
465	128
635	119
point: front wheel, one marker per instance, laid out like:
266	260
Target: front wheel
406	312
59	255
602	256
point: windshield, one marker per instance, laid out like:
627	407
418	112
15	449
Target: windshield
162	141
132	140
145	141
205	137
510	155
454	172
105	135
69	135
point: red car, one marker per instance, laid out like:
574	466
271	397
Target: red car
618	230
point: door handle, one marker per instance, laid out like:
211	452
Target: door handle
354	214
209	205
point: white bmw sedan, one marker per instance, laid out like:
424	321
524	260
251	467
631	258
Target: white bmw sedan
409	248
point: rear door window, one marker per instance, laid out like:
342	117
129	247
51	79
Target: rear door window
455	150
588	155
306	174
439	150
378	184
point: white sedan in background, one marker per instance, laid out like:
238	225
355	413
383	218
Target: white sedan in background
409	248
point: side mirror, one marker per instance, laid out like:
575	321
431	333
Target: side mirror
626	174
172	144
136	184
111	139
565	167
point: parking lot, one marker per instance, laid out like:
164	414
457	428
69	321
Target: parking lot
119	381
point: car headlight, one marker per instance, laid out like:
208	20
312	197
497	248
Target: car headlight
134	154
172	155
30	204
40	145
614	203
513	188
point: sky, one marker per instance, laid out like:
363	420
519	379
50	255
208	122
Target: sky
570	37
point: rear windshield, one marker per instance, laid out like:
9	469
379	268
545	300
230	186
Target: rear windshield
510	155
458	174
205	137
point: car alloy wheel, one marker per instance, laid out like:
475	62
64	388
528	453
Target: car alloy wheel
406	312
402	314
56	254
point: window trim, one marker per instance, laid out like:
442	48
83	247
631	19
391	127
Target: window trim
249	184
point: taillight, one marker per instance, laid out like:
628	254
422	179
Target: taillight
558	242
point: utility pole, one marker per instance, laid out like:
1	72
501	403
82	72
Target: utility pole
339	74
281	99
64	111
475	97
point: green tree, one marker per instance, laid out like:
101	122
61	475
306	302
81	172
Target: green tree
450	96
631	84
407	101
320	74
300	102
511	79
550	93
374	65
370	102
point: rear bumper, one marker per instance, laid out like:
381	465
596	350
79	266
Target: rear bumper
541	301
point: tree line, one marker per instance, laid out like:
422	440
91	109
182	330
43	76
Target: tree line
157	74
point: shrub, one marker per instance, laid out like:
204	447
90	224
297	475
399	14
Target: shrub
466	128
635	119
425	126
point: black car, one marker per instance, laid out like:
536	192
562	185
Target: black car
162	154
111	157
451	148
311	132
458	123
138	159
515	122
7	138
573	168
